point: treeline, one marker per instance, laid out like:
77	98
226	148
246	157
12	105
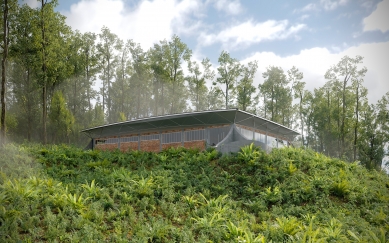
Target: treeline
59	81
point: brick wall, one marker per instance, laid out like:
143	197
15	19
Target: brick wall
124	147
152	145
149	145
195	144
169	145
110	146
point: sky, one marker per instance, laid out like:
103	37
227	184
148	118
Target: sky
310	35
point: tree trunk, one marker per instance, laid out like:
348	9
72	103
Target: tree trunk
301	119
29	112
88	85
356	123
3	72
44	71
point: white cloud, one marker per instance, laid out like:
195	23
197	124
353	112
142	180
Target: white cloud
147	22
332	4
230	7
378	20
315	62
309	7
303	17
249	32
326	4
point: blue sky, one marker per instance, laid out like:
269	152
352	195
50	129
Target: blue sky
311	35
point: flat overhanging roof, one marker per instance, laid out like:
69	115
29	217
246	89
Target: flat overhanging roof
192	119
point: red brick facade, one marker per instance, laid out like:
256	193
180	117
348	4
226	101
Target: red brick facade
169	145
151	145
195	144
124	147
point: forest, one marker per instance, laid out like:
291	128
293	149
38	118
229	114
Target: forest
57	81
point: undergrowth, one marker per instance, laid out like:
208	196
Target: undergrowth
64	194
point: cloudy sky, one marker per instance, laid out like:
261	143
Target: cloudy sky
311	35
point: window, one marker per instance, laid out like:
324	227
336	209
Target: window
216	135
173	137
150	137
111	140
129	139
195	135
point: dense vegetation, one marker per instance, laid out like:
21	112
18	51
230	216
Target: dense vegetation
58	81
64	194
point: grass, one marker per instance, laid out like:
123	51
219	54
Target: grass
64	194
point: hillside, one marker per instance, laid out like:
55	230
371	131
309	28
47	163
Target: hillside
64	194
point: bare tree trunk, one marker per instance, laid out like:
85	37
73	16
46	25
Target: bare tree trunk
356	124
3	71
44	71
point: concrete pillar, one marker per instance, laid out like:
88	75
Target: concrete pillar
139	141
182	138
160	141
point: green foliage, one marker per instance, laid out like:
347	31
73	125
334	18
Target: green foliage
178	195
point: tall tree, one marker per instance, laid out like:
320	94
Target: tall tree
276	93
61	119
106	48
140	79
25	66
50	39
90	63
245	87
344	71
158	65
295	77
197	82
374	134
229	71
176	52
8	8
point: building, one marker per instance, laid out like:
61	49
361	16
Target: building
226	130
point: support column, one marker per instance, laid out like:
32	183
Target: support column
119	142
253	129
160	141
139	141
206	136
182	138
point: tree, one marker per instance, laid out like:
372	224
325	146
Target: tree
175	52
197	82
90	63
106	49
214	100
160	77
229	71
374	134
61	119
7	6
245	88
25	65
295	77
277	98
50	40
140	79
343	72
